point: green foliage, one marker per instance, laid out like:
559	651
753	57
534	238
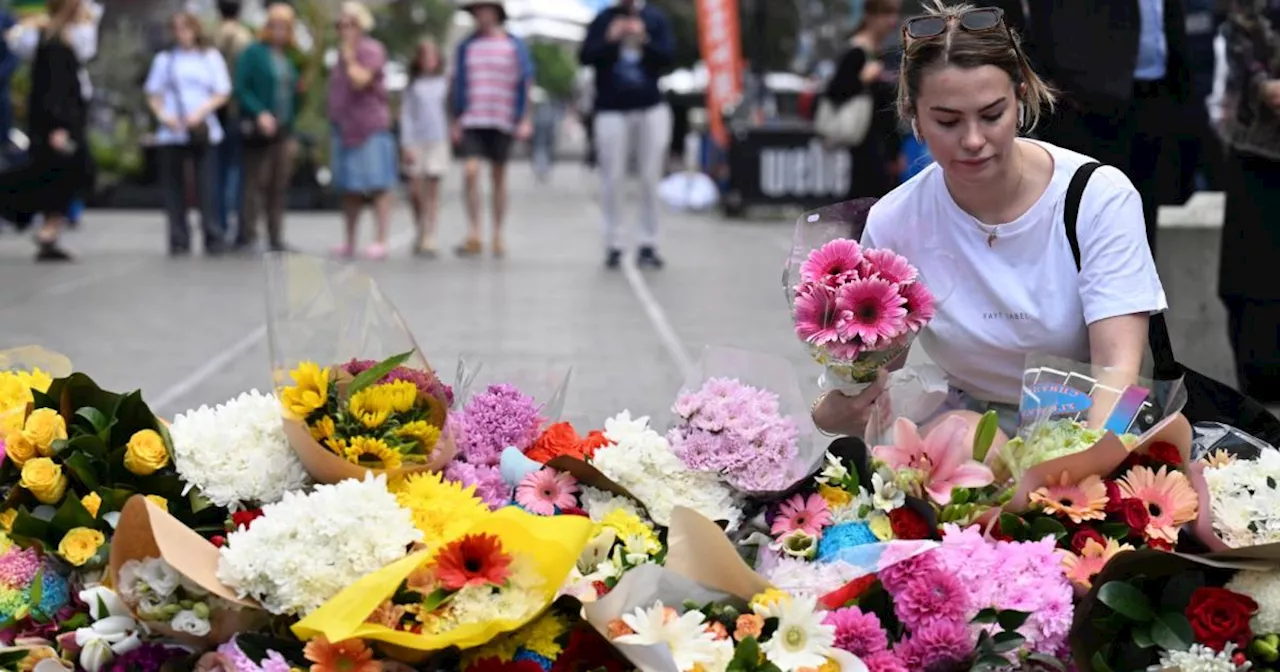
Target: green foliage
557	68
1137	626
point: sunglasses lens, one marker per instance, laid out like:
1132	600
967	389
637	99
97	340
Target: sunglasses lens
982	19
926	26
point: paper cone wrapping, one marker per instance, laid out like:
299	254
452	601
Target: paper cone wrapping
772	374
1085	637
325	466
698	550
587	474
148	531
1103	458
554	544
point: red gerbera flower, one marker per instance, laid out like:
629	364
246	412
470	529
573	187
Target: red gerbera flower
473	560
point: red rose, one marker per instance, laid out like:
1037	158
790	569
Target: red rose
1159	544
244	519
1082	537
1134	460
219	540
1133	512
1165	453
559	439
1219	616
907	524
1113	497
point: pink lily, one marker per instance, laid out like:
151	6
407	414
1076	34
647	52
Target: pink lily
945	457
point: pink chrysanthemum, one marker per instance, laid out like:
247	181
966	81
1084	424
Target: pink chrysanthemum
833	263
871	310
816	314
931	597
546	490
889	265
857	633
800	513
920	305
939	645
885	661
18	567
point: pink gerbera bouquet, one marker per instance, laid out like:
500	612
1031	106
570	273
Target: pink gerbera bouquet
857	309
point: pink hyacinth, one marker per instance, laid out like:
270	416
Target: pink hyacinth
816	314
920	308
888	265
800	513
930	597
871	310
858	633
546	490
833	263
944	456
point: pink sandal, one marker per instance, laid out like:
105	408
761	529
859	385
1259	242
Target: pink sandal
376	252
343	252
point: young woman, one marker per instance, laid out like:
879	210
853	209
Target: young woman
267	95
424	140
186	85
986	220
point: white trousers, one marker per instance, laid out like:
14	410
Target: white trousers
646	134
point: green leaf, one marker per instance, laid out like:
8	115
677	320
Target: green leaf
1126	600
37	587
71	514
98	421
28	526
88	444
1013	526
1012	620
746	657
1117	531
436	599
1100	664
1047	527
993	662
985	616
132	416
1047	661
377	372
1178	589
82	468
76	622
985	434
1171	631
10	660
1005	642
1141	635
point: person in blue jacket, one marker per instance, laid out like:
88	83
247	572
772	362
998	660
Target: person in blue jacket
493	77
630	45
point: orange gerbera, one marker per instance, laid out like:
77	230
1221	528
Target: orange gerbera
1081	569
1168	496
347	656
473	560
1086	500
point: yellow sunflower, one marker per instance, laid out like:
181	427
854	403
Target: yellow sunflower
363	446
424	433
311	391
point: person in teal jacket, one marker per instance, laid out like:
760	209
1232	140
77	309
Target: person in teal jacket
267	92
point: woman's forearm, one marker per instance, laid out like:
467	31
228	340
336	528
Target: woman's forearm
1117	347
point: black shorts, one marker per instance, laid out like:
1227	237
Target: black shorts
489	144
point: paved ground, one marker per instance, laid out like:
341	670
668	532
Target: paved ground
192	331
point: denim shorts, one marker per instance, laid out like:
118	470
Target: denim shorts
369	167
959	400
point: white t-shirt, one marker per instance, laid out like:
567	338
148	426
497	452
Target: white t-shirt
1022	295
197	76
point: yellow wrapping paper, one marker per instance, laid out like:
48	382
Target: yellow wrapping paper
554	544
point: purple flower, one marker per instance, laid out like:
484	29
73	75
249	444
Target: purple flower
930	597
736	430
490	486
501	416
237	657
936	646
146	658
426	381
857	633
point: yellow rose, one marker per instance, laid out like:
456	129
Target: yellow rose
44	426
91	503
19	448
80	545
44	478
7	518
146	453
159	501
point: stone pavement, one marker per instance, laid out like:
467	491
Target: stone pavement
191	331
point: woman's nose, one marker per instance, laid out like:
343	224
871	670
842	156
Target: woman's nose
972	140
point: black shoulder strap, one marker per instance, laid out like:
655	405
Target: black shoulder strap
1075	194
1166	367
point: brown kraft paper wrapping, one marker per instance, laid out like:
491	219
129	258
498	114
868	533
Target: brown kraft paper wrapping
699	550
147	531
326	467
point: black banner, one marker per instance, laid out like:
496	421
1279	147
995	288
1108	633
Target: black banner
786	167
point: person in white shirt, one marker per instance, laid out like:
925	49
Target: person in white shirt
185	87
985	225
424	140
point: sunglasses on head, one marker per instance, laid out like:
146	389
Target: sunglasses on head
974	21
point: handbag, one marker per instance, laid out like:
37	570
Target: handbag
845	125
1208	400
198	135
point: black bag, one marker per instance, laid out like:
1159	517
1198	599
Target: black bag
1207	399
198	135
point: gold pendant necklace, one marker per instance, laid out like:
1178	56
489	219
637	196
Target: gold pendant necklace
991	238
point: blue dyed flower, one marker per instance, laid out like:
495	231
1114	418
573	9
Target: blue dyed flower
542	661
845	535
55	593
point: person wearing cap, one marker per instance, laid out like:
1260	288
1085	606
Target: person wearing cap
491	87
630	45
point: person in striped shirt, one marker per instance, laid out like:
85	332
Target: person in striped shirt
492	81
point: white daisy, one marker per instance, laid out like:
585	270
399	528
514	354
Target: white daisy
691	644
801	640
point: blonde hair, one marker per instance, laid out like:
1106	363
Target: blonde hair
278	11
998	47
357	12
